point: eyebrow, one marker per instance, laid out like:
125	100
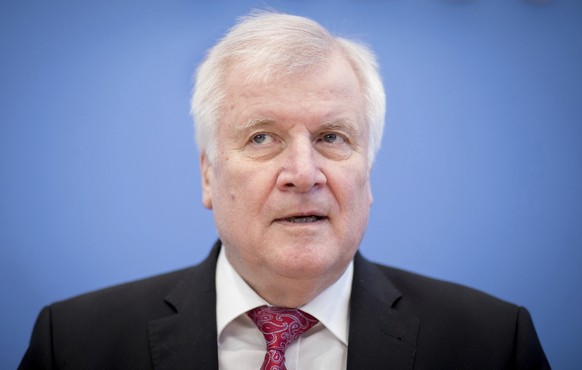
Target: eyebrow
341	123
254	123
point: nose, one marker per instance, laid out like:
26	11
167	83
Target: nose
300	168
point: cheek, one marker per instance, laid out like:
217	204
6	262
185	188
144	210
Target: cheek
354	197
243	187
354	182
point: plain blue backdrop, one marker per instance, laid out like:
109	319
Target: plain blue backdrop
478	180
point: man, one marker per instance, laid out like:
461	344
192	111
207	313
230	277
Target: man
288	120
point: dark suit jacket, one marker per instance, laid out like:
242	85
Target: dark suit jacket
398	320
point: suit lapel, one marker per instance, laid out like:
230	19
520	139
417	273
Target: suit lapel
187	338
380	336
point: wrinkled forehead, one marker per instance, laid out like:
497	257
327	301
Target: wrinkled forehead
328	93
333	76
266	72
256	74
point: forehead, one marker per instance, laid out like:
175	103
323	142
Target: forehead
328	91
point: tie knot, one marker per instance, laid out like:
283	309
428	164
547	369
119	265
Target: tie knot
281	326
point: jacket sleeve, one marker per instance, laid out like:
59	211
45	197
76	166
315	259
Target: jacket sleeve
39	354
528	352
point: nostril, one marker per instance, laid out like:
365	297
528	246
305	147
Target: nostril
299	173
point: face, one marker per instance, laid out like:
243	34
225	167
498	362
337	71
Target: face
290	185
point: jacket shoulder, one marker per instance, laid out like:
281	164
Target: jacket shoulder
435	292
483	330
148	291
111	328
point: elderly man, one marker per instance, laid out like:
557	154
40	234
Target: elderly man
288	120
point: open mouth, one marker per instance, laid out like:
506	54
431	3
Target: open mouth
303	219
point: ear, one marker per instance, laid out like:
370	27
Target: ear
369	186
206	172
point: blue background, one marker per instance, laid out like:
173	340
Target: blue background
478	180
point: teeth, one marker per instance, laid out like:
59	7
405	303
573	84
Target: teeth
301	220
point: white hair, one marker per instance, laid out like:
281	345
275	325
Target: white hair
267	44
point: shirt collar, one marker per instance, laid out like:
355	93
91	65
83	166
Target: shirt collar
234	297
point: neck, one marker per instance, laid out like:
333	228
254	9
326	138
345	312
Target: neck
287	287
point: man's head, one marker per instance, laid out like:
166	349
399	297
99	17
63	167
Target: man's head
288	119
270	45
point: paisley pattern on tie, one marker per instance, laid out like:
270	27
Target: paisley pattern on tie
280	327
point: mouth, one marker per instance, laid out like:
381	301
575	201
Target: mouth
303	219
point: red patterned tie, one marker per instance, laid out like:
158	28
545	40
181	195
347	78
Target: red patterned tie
280	326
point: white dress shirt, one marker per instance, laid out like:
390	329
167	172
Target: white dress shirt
241	345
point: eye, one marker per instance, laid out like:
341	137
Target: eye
261	138
332	138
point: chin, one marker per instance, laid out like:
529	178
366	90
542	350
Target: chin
309	266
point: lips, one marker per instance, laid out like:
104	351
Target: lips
303	219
